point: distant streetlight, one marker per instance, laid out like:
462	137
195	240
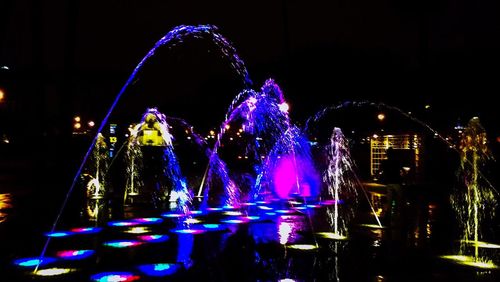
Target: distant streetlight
381	116
77	119
2	95
91	123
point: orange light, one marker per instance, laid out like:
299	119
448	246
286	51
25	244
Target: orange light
2	95
77	125
381	117
77	118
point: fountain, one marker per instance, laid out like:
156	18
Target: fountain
474	202
150	146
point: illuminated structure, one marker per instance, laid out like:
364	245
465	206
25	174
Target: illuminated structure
407	148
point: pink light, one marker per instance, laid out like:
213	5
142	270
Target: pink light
285	177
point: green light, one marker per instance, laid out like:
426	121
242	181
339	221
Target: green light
303	247
332	235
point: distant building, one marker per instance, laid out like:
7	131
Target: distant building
406	149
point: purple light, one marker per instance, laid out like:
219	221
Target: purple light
151	220
122	243
75	254
114	277
153	238
214	209
159	269
86	230
285	177
31	262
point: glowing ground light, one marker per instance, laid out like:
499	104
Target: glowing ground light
58	234
331	235
153	238
122	244
53	271
31	262
138	230
302	247
265	208
234	221
123	223
481	244
287	280
158	269
270	213
115	277
74	254
214	209
86	230
233	213
285	211
150	220
375	226
250	217
470	261
248	204
173	215
212	226
196	212
192	221
314	206
189	231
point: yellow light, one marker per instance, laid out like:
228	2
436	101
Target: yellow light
470	261
240	130
381	117
2	95
53	271
427	106
304	247
481	244
212	132
138	230
332	235
227	126
77	119
77	125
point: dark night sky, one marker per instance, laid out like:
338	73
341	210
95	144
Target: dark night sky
68	57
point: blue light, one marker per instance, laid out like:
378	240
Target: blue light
172	215
30	262
114	277
122	244
86	230
159	269
123	223
58	234
153	238
211	226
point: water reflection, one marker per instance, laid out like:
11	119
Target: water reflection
5	205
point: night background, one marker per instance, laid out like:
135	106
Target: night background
438	61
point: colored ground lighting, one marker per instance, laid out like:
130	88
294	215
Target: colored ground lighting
192	221
122	244
75	254
234	221
481	244
173	215
233	213
265	208
151	220
31	262
189	231
303	247
159	269
212	226
86	230
58	234
248	204
138	230
53	271
153	238
331	235
196	212
114	277
471	261
375	226
214	209
285	211
123	223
